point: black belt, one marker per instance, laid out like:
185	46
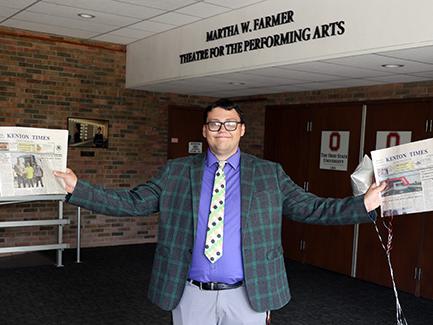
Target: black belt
215	285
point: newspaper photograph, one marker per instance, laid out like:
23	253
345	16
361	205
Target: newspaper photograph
28	157
408	171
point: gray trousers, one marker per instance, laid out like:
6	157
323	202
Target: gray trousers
223	307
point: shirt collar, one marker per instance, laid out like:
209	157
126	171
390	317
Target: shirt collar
233	160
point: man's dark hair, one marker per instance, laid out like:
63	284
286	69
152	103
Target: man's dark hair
226	104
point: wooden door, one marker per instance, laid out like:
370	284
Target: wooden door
287	142
184	126
407	231
426	258
330	247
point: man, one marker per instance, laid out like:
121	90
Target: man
39	173
219	258
98	139
20	171
77	133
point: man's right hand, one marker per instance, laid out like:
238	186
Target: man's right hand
69	178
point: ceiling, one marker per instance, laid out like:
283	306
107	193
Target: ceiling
126	21
116	21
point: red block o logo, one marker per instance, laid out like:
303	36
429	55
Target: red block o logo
390	137
334	141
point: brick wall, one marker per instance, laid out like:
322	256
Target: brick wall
45	79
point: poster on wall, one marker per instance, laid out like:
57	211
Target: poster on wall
334	150
387	139
85	132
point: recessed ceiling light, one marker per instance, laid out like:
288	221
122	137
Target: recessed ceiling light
390	65
234	83
87	16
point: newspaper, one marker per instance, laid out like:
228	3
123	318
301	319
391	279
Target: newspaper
28	157
408	171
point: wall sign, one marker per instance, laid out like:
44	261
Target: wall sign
195	147
386	139
334	150
250	43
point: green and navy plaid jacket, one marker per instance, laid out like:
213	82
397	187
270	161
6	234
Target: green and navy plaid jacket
267	194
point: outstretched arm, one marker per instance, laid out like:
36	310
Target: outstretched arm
306	207
139	201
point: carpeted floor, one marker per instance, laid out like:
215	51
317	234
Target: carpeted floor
109	287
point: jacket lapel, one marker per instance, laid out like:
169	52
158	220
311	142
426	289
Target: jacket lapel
196	178
247	173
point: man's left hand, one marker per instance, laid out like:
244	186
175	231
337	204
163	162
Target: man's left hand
372	198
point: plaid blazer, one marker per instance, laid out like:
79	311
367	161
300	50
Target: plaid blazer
267	194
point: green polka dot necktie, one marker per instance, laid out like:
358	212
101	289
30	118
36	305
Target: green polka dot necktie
215	227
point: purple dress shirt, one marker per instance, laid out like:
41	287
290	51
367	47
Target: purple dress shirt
228	268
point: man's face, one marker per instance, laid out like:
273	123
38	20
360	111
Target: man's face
223	143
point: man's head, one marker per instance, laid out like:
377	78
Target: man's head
223	128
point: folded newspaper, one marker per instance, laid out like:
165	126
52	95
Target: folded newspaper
408	171
28	157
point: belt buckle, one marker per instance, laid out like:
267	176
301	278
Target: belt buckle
212	285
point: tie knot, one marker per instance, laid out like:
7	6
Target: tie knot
221	164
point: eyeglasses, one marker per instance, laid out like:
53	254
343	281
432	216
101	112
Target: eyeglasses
215	126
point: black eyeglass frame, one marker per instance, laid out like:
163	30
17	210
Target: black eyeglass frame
221	124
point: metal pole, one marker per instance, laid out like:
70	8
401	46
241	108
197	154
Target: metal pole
78	234
356	227
60	236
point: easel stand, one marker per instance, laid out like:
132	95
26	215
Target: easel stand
59	222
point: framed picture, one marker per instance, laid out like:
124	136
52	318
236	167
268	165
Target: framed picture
87	133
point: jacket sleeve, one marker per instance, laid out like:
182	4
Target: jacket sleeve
306	207
139	201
